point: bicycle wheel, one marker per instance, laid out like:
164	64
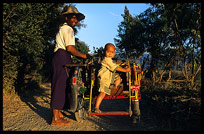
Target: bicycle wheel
74	99
136	111
80	113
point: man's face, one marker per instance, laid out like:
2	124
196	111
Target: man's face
72	20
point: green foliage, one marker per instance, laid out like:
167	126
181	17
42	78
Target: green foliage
170	32
9	72
28	34
129	30
81	47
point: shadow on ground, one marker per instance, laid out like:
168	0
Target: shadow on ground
36	100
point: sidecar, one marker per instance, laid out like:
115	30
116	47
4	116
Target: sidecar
84	90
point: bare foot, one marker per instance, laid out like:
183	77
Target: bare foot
60	122
61	115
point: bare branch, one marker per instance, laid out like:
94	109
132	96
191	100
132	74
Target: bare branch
10	13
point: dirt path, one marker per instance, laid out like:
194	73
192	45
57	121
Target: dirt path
23	114
32	112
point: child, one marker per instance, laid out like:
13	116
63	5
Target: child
106	74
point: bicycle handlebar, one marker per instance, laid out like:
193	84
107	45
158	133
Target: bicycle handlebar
77	65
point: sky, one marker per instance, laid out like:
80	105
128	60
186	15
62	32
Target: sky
102	21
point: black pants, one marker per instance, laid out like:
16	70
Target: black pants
59	84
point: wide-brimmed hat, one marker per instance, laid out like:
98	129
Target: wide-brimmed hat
73	10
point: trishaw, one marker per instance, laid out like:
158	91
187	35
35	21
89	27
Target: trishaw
84	89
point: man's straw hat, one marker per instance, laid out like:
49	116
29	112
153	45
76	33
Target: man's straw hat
73	10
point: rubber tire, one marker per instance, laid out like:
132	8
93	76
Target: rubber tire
74	99
136	108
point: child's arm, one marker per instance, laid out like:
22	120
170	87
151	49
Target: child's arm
121	69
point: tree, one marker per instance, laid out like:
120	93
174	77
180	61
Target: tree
169	32
23	41
28	40
128	32
184	22
83	48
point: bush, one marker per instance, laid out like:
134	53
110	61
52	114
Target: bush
9	72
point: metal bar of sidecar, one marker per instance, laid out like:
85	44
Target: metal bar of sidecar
113	97
90	100
111	113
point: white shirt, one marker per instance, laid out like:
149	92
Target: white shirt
106	72
64	37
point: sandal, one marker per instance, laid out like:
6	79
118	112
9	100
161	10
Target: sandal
97	110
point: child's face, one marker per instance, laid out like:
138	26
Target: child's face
110	52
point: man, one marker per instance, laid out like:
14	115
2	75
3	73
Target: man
65	47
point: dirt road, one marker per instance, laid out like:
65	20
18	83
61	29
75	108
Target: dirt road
32	112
